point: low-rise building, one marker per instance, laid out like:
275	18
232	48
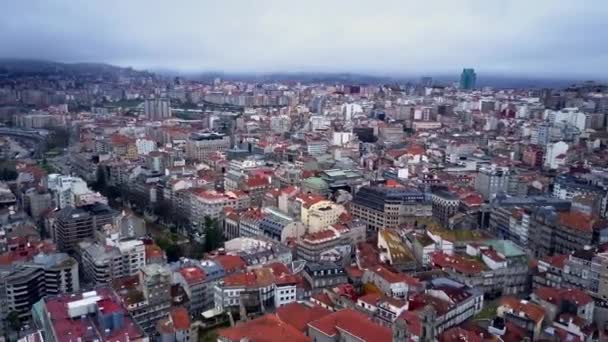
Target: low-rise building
257	290
493	267
322	275
146	296
347	325
102	263
392	284
94	315
522	313
444	305
177	327
390	207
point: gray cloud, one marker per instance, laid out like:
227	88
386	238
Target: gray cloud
539	37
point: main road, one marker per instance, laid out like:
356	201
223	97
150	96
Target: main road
34	135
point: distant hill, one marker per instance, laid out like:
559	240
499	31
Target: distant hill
10	67
13	66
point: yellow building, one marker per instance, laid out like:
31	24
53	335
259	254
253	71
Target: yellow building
318	213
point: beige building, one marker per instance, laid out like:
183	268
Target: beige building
200	146
318	213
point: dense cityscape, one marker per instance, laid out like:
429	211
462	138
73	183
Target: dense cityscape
139	207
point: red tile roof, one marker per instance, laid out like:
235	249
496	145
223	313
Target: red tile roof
556	296
395	277
24	249
576	220
154	252
180	318
320	236
231	263
458	334
268	328
557	261
353	323
413	322
257	182
532	311
192	275
493	254
457	263
310	199
371	298
247	279
354	272
420	300
68	329
322	298
415	150
298	315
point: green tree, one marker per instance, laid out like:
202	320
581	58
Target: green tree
213	234
14	322
174	252
59	137
101	181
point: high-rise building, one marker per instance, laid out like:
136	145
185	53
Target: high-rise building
103	263
390	207
200	145
147	295
157	109
97	315
468	78
491	180
74	225
23	284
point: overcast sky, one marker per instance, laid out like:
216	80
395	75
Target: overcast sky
534	37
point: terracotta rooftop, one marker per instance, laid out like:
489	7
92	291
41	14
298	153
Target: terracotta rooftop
298	315
413	323
268	328
180	318
154	252
257	181
354	323
68	329
310	199
532	311
420	300
192	275
231	263
395	277
457	263
556	296
576	220
320	236
457	334
557	261
371	298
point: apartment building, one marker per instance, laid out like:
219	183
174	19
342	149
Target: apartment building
102	263
146	295
73	225
390	207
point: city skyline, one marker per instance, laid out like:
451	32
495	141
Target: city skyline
512	39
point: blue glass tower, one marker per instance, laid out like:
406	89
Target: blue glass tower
468	79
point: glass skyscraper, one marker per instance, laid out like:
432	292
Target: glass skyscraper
468	79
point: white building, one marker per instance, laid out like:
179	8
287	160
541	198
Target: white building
572	116
351	109
145	146
554	154
157	109
280	124
342	138
103	263
72	191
